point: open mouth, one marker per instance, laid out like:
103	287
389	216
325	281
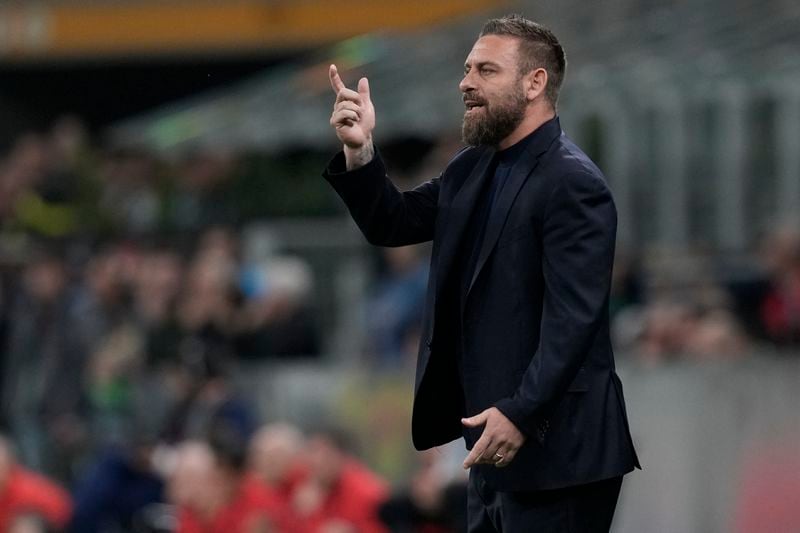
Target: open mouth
472	105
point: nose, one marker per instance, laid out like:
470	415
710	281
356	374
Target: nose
466	83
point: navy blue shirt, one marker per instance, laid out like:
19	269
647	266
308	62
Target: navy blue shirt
472	240
499	171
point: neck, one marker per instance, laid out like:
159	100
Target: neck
529	124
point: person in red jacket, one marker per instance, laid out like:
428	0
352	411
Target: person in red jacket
213	494
340	494
28	498
276	461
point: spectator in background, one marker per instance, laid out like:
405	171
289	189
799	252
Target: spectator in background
717	335
276	460
19	172
780	308
130	195
433	502
276	318
666	327
34	196
112	371
198	198
667	330
28	501
340	495
102	300
55	194
212	492
394	310
69	145
45	358
206	306
276	457
156	288
117	486
205	399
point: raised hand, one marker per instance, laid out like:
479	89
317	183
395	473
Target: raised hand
353	118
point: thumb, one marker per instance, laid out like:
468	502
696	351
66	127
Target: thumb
363	88
477	420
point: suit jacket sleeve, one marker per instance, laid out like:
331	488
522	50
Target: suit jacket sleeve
578	236
385	216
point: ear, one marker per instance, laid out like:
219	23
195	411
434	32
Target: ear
535	84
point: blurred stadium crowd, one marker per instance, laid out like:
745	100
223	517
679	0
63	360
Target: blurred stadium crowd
128	307
120	351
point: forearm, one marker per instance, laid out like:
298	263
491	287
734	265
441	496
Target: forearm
386	216
553	369
578	244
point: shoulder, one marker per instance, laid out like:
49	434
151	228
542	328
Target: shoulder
568	167
259	494
33	485
38	493
568	158
576	187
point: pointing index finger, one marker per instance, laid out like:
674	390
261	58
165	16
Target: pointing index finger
336	81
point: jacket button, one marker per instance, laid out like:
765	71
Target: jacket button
429	342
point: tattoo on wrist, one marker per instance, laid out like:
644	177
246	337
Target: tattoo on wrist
359	157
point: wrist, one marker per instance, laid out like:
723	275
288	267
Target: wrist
360	156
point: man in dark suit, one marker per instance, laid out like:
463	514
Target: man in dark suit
516	355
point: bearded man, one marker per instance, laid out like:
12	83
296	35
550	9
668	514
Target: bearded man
516	354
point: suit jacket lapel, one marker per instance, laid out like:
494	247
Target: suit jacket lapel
460	210
520	172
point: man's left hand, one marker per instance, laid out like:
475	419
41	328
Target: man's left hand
499	441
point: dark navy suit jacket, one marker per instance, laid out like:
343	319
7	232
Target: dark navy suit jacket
533	326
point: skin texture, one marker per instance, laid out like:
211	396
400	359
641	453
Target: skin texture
492	80
353	119
493	95
274	450
491	73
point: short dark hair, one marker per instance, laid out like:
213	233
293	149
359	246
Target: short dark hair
538	48
228	445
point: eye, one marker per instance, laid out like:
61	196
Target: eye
485	71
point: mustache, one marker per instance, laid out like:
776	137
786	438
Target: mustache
473	98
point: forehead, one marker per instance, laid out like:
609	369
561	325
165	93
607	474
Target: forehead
500	49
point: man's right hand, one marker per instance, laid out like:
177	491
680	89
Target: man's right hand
353	118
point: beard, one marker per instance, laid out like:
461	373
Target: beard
494	122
